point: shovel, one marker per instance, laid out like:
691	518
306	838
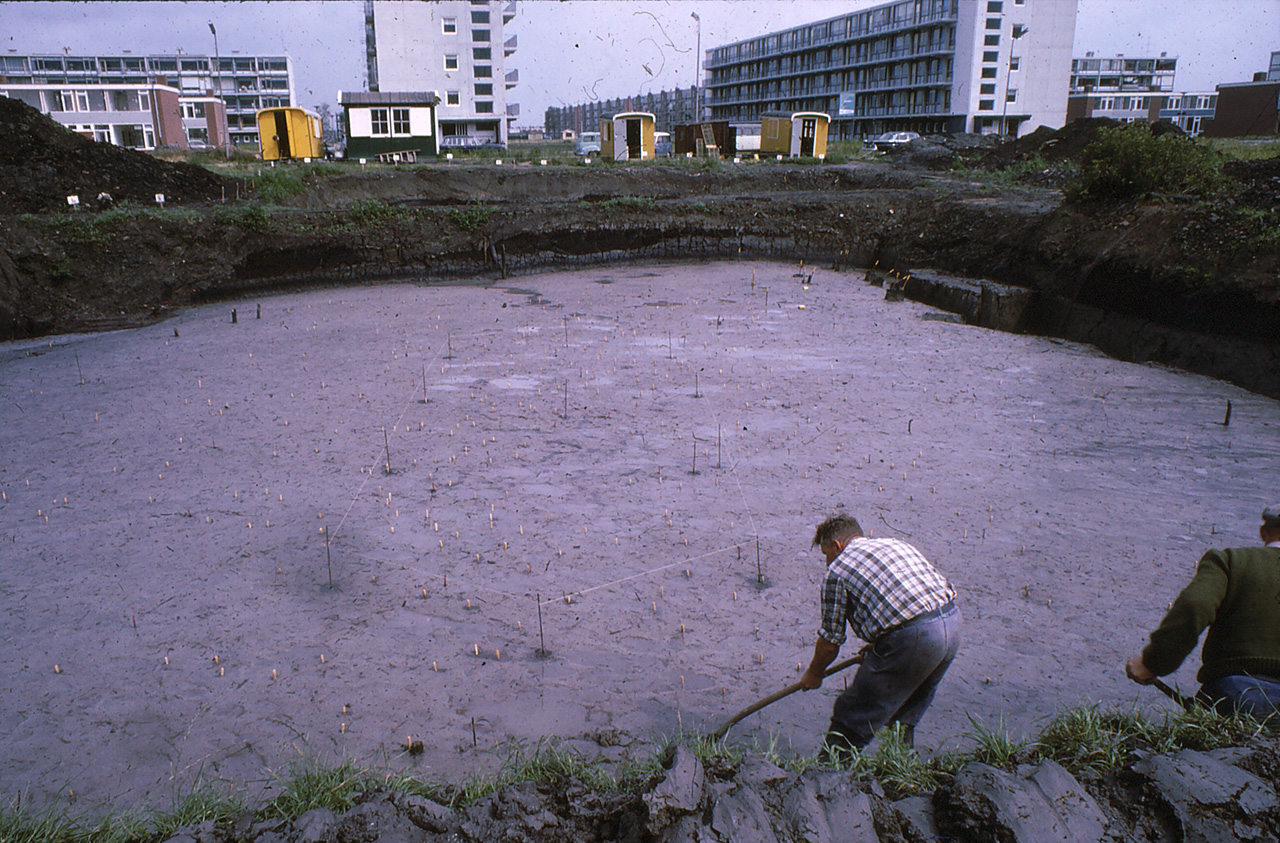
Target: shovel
777	695
1187	703
669	754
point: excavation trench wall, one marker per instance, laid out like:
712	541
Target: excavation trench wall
1223	336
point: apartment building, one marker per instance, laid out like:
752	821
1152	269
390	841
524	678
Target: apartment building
923	65
1124	88
459	48
1190	111
669	109
243	84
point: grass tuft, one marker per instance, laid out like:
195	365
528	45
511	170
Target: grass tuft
994	746
309	785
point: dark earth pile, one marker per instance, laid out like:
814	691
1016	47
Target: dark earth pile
42	163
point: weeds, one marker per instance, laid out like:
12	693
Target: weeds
1129	162
275	184
373	212
470	218
627	203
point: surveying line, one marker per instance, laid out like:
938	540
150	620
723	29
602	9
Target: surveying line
376	460
733	472
684	561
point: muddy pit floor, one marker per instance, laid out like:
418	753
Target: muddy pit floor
168	490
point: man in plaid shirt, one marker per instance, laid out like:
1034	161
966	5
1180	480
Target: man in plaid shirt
898	603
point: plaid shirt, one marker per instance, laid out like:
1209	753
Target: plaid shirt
877	584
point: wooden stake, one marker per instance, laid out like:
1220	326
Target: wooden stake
759	575
81	371
387	443
327	556
542	641
1225	421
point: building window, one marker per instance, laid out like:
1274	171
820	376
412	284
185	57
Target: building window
1011	95
991	56
993	23
449	25
986	105
484	108
483	71
479	17
481	54
484	89
1014	61
480	35
988	89
399	121
991	41
380	122
988	73
452	98
451	62
994	7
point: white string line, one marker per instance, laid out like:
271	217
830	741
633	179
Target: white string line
733	472
684	561
372	465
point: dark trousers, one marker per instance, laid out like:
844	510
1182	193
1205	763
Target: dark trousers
899	677
1256	695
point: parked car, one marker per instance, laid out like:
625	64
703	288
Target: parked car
662	144
588	143
891	140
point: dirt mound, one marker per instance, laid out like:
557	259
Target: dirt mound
1054	146
42	162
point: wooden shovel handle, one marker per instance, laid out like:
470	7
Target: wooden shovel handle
777	695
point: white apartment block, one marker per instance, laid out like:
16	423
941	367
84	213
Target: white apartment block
982	66
459	48
243	83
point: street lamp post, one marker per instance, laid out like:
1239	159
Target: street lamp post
1017	32
697	72
217	70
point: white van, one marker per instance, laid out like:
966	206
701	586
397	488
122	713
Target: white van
588	143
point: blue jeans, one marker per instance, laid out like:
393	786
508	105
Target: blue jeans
899	677
1256	695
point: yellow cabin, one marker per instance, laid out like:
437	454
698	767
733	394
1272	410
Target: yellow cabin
627	137
289	133
800	134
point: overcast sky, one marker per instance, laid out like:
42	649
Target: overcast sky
569	49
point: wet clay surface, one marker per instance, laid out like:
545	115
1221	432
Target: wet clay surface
167	490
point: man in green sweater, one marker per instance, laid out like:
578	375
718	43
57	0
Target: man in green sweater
1236	593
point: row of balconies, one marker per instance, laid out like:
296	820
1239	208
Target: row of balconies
723	55
883	57
935	82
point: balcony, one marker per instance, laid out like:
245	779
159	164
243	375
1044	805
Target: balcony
509	46
513	109
512	78
509	12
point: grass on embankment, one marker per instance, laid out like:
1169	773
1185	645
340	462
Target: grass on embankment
1087	741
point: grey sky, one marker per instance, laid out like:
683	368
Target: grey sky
573	50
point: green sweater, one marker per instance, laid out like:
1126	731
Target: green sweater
1236	593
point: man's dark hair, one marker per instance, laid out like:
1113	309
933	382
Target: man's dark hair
836	528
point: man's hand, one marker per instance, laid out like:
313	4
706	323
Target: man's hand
1138	671
812	679
824	653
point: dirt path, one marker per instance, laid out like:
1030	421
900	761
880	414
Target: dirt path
169	614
